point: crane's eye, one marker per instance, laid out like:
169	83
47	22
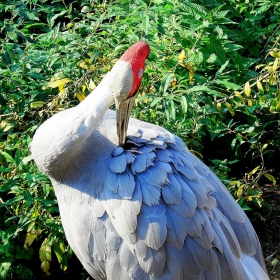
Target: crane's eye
140	73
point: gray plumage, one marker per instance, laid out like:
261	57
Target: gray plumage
151	210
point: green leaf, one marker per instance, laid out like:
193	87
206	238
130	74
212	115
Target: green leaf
184	104
228	84
166	82
155	101
45	252
5	266
270	178
28	198
8	157
60	254
37	104
145	23
223	67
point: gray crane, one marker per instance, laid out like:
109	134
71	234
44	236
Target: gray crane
134	202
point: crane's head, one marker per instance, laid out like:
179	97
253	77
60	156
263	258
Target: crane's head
125	80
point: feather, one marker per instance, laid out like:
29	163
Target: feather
189	203
174	265
189	263
130	158
97	210
154	262
246	237
142	162
194	225
187	171
175	233
140	249
207	259
230	236
227	260
130	264
152	230
228	207
172	193
118	163
163	155
150	193
133	205
126	185
127	220
199	192
207	236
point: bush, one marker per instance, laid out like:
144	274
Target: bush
211	78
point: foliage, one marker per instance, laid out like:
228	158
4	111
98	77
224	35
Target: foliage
212	78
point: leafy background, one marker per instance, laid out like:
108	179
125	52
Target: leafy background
212	78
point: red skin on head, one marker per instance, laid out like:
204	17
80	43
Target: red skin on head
136	56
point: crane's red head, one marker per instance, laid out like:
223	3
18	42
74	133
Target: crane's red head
136	56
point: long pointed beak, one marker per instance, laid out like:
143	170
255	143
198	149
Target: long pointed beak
123	113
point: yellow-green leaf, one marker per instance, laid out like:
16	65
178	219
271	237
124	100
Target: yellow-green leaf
45	252
260	87
91	85
253	171
230	108
247	89
58	83
270	178
250	103
219	105
239	191
238	94
37	104
274	54
182	55
60	254
29	239
80	96
264	147
45	265
82	64
274	261
275	65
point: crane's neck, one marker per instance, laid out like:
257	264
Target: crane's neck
58	140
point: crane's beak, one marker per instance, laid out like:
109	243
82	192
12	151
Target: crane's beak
123	109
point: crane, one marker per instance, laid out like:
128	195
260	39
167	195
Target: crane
135	203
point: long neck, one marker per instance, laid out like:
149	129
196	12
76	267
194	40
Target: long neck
60	138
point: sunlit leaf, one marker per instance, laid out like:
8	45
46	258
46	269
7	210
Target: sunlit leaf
45	252
247	89
275	54
264	147
45	265
270	178
184	104
37	104
230	108
60	254
29	240
182	55
260	87
253	171
58	83
80	96
240	190
238	94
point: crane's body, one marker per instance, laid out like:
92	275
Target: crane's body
147	210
